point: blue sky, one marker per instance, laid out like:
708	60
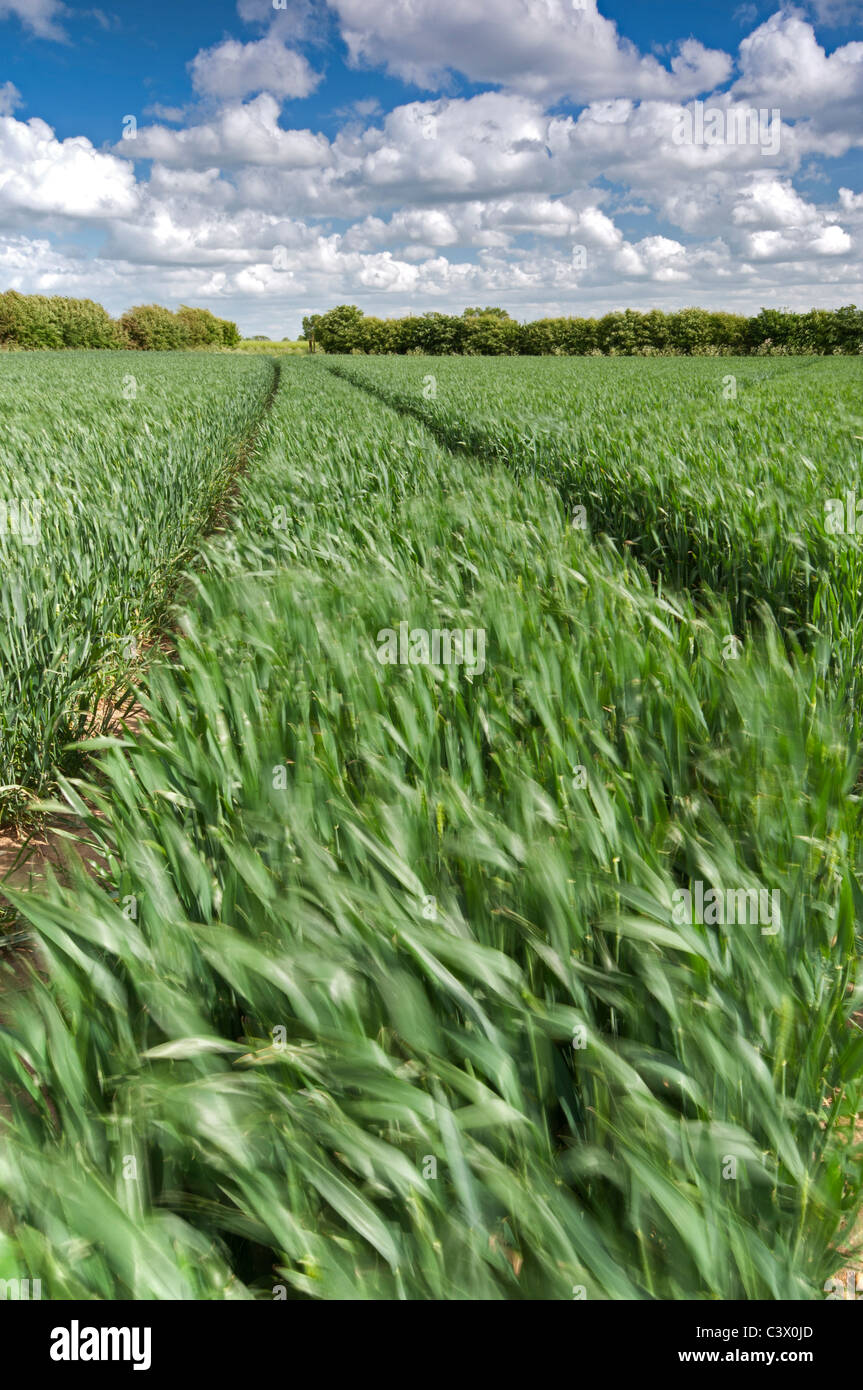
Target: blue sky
546	155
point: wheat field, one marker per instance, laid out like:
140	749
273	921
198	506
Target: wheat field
464	685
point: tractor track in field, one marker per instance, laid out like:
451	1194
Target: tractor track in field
845	1279
29	854
745	603
443	436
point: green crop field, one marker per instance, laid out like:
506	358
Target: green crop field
108	472
387	984
716	472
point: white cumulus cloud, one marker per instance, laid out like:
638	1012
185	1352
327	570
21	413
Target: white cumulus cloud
42	175
542	47
233	70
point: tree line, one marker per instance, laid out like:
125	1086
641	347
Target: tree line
491	331
42	321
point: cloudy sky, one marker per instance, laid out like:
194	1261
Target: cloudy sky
272	158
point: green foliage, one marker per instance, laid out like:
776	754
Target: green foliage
339	329
309	333
490	332
403	1011
230	332
128	457
154	328
31	321
715	474
439	333
202	329
35	321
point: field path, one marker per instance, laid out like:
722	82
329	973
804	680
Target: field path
29	852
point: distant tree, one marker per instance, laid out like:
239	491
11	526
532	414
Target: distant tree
202	329
441	333
310	328
151	327
689	330
728	331
775	327
374	335
848	329
489	332
230	332
340	330
40	321
540	338
614	333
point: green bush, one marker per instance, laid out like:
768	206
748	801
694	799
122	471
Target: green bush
151	326
38	321
201	328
